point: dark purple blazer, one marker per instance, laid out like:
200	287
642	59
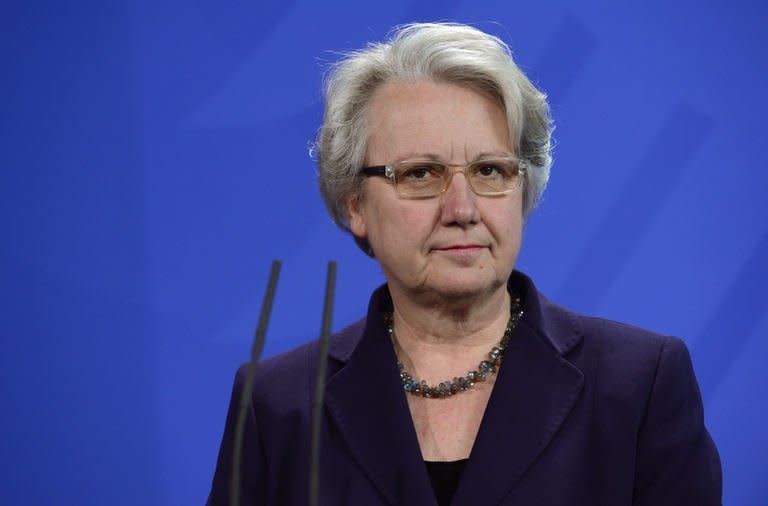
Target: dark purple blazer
584	411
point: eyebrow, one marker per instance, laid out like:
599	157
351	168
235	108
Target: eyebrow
420	156
437	158
492	154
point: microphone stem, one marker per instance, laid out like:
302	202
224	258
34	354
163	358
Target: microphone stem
317	402
245	396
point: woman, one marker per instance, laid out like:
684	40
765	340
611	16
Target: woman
433	151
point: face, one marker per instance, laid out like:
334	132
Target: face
456	244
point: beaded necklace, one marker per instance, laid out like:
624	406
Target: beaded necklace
460	384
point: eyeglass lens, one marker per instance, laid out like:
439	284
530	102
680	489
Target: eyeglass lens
485	177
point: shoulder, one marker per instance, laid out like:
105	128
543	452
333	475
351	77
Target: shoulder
642	387
620	361
628	349
573	334
621	345
288	378
622	342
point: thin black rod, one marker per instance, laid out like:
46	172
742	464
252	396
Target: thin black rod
322	367
245	396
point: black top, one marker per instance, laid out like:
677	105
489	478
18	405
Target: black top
445	478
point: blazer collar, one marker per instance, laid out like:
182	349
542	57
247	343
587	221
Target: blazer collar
535	390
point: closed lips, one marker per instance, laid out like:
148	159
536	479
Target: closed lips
461	246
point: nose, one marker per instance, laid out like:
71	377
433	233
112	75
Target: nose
458	203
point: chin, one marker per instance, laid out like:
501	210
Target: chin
459	286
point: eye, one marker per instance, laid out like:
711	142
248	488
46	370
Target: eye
488	170
417	172
420	172
494	169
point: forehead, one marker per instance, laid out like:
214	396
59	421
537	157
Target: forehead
431	118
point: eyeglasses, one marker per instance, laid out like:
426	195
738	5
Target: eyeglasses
488	177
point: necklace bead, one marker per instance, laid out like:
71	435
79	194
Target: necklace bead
485	369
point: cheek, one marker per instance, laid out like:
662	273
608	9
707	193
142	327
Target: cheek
400	228
515	224
417	224
505	225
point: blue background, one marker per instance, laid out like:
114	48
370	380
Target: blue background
154	161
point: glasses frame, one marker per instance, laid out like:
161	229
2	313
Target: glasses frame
389	171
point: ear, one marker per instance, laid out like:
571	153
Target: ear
355	216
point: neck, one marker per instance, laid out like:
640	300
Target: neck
440	339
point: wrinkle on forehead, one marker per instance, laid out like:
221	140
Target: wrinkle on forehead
434	120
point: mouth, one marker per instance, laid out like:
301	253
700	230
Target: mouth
461	248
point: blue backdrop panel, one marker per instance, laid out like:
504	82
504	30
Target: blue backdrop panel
155	160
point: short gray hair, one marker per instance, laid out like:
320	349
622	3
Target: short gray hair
440	52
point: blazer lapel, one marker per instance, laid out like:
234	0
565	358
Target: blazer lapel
366	402
535	390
